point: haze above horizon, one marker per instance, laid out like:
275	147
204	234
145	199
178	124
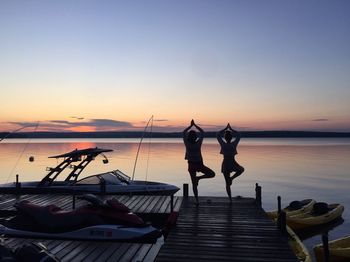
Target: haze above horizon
110	65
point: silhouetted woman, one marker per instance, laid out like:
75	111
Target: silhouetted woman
229	150
193	144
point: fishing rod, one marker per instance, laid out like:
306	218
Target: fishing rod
138	149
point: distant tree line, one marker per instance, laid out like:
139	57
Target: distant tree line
133	134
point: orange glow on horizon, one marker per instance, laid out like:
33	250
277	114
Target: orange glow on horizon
83	129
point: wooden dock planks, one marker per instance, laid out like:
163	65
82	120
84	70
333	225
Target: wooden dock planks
213	231
138	204
218	231
93	251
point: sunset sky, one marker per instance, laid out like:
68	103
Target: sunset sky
87	65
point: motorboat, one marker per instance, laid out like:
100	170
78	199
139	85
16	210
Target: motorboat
98	220
112	182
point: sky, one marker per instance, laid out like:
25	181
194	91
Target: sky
88	65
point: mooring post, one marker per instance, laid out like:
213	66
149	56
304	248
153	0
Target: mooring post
325	246
282	222
258	194
18	185
171	203
279	204
103	187
185	190
73	201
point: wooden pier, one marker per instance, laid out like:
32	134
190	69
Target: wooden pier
219	231
213	231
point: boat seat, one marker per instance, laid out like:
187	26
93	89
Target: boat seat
320	208
50	217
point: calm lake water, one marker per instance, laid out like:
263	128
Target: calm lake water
295	169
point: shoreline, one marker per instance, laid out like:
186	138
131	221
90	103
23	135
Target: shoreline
134	134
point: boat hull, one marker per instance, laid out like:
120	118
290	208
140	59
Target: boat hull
100	232
151	189
298	247
339	250
306	220
309	203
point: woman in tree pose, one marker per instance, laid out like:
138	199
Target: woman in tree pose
193	143
229	150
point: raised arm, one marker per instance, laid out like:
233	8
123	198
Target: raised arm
219	135
201	131
184	133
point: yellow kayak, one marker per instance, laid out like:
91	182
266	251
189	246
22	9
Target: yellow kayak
339	250
310	218
298	247
291	210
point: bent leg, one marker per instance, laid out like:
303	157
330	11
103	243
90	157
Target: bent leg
208	173
238	171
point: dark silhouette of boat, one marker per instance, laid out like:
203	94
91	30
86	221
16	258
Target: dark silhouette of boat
112	182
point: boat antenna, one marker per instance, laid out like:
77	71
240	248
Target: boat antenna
138	149
24	149
15	131
149	148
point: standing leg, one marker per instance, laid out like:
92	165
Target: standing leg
228	185
194	180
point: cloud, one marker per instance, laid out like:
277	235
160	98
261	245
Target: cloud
92	124
320	120
109	122
160	120
77	117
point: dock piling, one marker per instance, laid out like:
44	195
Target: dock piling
279	204
103	187
73	201
172	203
282	222
258	194
325	246
18	185
185	190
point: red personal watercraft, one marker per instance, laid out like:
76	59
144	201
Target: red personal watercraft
98	220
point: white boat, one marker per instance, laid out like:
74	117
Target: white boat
113	182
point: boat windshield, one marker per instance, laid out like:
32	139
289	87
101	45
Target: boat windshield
115	177
91	180
121	176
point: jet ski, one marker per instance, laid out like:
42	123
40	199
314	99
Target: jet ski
113	182
107	220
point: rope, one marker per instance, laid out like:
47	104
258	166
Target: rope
24	149
149	149
138	149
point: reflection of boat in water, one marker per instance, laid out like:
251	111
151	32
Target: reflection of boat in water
339	250
298	247
320	214
294	208
113	182
98	220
